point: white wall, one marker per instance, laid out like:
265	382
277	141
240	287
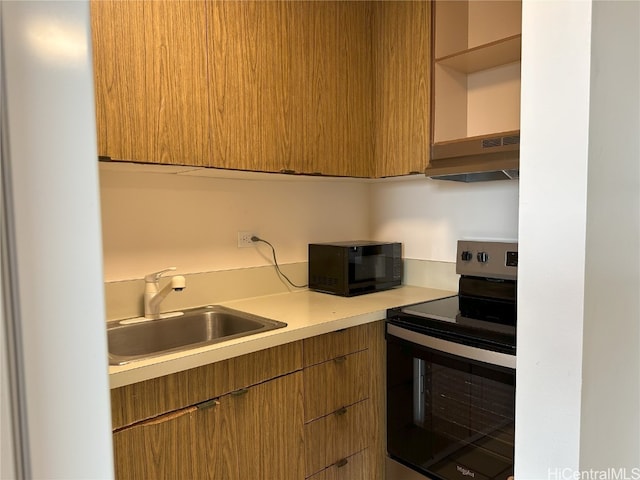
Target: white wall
611	361
429	216
578	372
154	220
53	216
553	192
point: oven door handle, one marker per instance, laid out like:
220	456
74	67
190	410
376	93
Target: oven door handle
460	350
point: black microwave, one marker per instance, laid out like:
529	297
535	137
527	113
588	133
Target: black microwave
354	268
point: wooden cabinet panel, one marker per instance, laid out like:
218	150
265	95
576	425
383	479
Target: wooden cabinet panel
267	423
257	433
355	467
338	435
132	403
296	97
159	448
250	85
402	57
337	88
334	344
151	80
255	119
376	453
336	383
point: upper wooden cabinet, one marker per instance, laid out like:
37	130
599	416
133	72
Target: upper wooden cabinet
325	87
476	71
403	87
289	85
150	69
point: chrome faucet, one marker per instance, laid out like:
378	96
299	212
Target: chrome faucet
153	296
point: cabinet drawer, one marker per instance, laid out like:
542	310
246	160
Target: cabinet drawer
337	436
355	467
335	344
336	383
140	401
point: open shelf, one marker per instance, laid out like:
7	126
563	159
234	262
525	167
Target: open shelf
483	57
476	73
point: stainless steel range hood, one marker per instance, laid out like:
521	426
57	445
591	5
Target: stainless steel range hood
476	159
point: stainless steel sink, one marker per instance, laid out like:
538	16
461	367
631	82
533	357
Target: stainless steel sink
194	328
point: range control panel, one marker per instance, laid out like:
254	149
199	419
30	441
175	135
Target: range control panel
487	259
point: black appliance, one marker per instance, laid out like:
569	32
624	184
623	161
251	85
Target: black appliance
354	268
451	373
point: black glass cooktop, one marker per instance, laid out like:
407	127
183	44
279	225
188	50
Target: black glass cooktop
478	322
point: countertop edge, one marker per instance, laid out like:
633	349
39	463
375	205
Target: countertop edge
135	372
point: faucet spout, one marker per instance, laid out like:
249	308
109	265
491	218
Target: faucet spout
153	295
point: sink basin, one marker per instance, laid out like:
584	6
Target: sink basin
191	328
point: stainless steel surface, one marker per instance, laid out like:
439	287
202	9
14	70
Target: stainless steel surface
419	368
495	265
194	328
464	351
474	159
397	471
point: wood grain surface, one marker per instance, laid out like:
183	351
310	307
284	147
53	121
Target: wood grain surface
140	401
338	435
333	384
151	82
257	434
355	467
402	66
335	344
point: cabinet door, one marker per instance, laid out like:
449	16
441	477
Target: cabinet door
266	425
290	86
336	383
402	95
159	448
252	433
355	467
336	88
151	80
338	435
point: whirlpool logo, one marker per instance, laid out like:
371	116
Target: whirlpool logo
465	471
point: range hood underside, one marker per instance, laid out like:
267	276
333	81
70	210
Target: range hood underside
483	158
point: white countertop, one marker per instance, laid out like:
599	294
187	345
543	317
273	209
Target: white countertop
306	314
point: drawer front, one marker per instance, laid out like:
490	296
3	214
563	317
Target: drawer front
338	435
331	385
335	344
355	467
140	401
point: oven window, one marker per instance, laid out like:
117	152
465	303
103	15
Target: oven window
449	417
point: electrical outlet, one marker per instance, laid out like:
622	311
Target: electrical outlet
244	239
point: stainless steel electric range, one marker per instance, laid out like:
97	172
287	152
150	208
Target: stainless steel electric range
451	374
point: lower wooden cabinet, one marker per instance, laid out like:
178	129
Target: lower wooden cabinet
261	415
355	467
337	436
254	433
344	404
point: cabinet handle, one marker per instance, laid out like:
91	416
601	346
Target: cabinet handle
240	392
341	359
208	404
342	462
341	411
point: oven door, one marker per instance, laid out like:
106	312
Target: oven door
450	407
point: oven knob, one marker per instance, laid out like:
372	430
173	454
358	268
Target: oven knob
466	256
483	257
